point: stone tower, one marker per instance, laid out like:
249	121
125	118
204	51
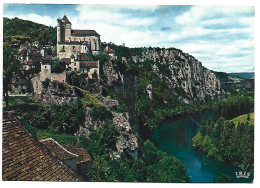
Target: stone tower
63	29
45	70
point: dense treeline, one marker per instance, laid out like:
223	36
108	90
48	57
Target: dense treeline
18	31
156	166
224	140
234	106
64	118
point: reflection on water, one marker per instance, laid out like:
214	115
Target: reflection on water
175	136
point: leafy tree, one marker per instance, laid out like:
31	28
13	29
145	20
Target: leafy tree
101	113
10	68
58	68
222	178
46	83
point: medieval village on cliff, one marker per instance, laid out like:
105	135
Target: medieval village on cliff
88	96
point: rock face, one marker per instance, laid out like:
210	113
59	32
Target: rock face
185	72
53	95
127	141
110	103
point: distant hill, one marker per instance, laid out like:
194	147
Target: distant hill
18	31
246	75
225	77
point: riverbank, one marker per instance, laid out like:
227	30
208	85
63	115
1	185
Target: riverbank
174	137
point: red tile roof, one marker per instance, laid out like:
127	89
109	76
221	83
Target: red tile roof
84	57
25	159
57	150
83	155
83	32
108	50
89	64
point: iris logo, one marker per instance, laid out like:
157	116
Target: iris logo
242	174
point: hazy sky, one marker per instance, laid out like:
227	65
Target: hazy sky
221	37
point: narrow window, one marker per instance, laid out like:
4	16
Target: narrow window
45	67
73	47
74	39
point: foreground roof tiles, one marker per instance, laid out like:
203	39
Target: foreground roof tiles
57	149
25	159
83	155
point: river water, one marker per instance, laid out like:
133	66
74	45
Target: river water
174	137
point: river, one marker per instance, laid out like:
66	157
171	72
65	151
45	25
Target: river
174	137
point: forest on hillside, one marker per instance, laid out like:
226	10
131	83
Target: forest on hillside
18	31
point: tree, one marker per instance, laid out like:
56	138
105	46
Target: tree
10	68
248	117
222	178
46	83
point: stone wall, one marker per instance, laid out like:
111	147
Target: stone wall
53	95
59	77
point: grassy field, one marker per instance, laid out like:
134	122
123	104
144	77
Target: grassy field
243	118
18	100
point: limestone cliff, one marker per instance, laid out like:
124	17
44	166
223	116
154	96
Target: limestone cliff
185	72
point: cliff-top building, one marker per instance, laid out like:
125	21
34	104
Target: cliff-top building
72	41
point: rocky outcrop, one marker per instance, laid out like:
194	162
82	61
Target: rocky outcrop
55	95
149	90
109	103
185	72
127	141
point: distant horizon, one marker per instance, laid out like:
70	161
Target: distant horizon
222	38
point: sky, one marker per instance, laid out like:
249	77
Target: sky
221	37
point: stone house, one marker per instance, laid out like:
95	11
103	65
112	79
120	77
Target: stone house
20	86
46	74
110	52
29	56
81	63
71	41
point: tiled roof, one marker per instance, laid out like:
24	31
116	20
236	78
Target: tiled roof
83	32
108	50
25	159
19	81
57	150
30	63
65	19
89	64
84	57
65	60
83	155
46	58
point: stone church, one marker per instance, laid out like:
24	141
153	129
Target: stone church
71	41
